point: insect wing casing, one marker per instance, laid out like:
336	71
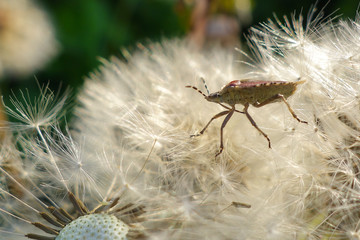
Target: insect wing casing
254	92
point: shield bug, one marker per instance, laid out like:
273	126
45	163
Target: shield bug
246	93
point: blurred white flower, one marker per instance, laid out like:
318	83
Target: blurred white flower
27	40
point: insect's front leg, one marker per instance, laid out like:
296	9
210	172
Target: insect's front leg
281	97
230	108
213	118
230	113
254	124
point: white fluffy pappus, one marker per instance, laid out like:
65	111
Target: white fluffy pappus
297	189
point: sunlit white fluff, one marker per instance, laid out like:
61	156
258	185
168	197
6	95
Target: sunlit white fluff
330	97
146	99
300	188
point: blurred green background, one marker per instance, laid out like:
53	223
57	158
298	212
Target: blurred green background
89	29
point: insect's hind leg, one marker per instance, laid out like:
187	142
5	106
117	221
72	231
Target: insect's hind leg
291	110
213	118
280	96
254	124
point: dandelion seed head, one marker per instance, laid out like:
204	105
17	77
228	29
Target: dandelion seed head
95	226
153	103
80	202
287	186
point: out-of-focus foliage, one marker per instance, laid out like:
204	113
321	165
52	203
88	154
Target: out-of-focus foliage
89	29
264	9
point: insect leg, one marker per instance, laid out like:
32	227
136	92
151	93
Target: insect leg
267	101
230	108
230	113
279	96
291	110
213	118
254	124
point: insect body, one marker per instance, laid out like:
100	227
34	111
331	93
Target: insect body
246	93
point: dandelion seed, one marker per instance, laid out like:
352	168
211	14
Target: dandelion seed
43	111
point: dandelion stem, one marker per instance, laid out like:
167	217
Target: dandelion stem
14	216
23	188
147	159
52	157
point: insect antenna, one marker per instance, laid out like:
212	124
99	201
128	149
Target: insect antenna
195	88
206	87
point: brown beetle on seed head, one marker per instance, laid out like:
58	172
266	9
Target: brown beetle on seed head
245	92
